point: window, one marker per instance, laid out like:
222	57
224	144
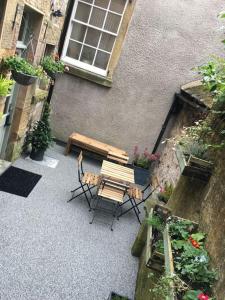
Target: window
92	32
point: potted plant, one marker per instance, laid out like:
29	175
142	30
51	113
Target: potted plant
165	192
52	66
115	296
40	136
22	71
5	88
142	163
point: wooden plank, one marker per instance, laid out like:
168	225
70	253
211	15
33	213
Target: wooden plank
169	267
200	162
149	242
112	165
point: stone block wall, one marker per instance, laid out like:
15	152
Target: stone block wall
49	33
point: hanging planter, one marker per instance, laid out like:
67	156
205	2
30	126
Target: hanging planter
192	166
23	79
22	71
52	66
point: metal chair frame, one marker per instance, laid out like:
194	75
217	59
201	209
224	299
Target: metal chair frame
85	187
134	204
108	182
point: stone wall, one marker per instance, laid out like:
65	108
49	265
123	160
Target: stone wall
165	40
46	31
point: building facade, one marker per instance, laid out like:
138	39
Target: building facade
122	82
29	29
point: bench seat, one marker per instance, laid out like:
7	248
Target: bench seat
95	146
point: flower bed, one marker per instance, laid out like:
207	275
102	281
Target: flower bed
192	166
155	248
186	261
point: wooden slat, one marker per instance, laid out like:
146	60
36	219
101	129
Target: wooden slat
111	193
92	145
148	253
169	267
113	166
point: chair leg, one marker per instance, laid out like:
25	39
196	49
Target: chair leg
94	209
85	195
114	216
136	212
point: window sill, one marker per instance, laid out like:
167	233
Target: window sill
105	81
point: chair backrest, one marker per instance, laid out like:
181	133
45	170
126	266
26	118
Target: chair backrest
80	165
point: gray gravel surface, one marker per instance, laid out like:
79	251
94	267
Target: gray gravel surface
48	249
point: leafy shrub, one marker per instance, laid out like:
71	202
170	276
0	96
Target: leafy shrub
19	64
5	86
51	65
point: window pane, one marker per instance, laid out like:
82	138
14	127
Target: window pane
97	17
92	37
73	50
112	22
101	60
82	12
78	32
102	3
107	41
88	1
87	55
117	6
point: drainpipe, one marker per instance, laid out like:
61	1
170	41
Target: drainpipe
61	42
172	109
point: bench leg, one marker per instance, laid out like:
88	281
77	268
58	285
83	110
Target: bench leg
68	147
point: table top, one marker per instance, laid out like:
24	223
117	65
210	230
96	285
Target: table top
117	172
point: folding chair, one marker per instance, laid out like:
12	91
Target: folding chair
136	198
87	181
111	191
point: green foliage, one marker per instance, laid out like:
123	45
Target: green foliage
156	222
49	64
163	287
191	295
180	229
144	160
116	297
19	64
165	192
159	246
5	86
40	136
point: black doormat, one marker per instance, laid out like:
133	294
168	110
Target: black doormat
18	182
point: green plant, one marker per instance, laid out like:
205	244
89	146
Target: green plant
19	64
156	222
180	229
191	295
159	246
5	86
144	160
40	136
52	65
162	289
165	192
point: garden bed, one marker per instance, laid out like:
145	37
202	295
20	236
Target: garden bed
192	166
154	250
186	261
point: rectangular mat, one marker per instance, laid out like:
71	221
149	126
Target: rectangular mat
18	182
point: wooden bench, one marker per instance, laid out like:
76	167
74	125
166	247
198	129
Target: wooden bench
95	146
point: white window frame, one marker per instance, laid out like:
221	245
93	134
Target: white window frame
73	62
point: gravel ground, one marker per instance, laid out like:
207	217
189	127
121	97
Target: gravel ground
48	249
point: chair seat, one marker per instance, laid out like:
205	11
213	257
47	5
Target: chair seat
91	178
111	193
135	192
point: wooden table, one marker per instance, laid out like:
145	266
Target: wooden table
117	172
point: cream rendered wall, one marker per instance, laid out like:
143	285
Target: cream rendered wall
165	40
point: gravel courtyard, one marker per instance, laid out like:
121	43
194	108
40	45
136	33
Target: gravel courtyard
48	249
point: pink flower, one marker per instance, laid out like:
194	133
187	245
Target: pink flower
146	154
203	297
157	155
135	150
152	157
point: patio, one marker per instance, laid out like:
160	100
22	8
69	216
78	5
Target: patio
48	248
